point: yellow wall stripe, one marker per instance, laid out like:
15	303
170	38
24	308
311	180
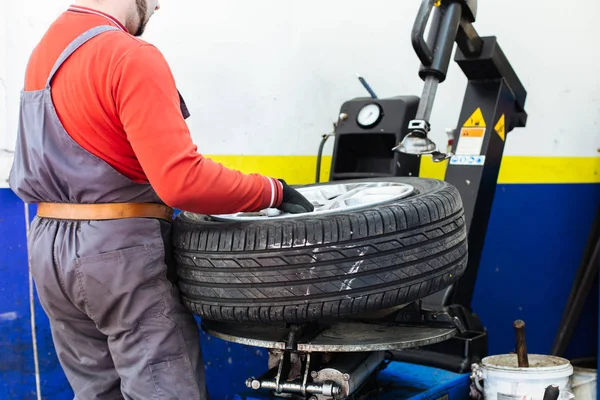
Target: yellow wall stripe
521	169
294	169
514	169
550	170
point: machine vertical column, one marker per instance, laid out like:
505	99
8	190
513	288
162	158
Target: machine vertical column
493	107
475	167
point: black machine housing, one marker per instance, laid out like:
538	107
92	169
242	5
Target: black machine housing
365	152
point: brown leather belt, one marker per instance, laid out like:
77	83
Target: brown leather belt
104	211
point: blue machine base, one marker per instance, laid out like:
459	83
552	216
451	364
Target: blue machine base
400	381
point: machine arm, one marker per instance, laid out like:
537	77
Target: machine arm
451	23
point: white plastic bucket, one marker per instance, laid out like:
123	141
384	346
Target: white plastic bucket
504	380
583	382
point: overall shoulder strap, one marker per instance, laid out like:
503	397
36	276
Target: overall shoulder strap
75	44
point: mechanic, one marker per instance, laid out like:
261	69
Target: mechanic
103	148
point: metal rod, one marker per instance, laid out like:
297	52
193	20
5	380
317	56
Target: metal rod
581	295
427	98
522	358
285	356
582	284
327	389
306	369
468	40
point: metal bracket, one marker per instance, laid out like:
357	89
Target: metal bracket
280	385
415	314
419	124
437	156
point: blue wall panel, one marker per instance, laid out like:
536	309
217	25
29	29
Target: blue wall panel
16	355
228	365
535	240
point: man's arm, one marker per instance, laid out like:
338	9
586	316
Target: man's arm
148	105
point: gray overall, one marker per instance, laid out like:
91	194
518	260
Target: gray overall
107	287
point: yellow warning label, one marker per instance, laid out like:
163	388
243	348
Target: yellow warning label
472	132
470	141
476	119
500	129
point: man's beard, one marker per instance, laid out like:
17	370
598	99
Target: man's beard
142	10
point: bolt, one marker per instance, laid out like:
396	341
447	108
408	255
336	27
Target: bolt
314	374
343	116
346	377
252	383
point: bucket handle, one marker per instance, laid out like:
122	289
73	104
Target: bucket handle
476	376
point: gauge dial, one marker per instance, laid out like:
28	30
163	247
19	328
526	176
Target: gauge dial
369	115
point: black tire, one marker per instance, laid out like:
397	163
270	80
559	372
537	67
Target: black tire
321	267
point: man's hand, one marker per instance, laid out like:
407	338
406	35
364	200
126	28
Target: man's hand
293	202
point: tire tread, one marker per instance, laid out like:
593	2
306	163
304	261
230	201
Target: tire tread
323	267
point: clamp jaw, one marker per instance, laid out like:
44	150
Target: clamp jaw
451	22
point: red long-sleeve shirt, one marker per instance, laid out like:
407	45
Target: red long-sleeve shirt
116	97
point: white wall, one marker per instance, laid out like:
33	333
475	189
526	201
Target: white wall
3	78
5	147
269	76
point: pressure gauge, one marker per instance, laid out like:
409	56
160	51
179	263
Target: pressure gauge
369	115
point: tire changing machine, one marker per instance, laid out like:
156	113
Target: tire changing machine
423	350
